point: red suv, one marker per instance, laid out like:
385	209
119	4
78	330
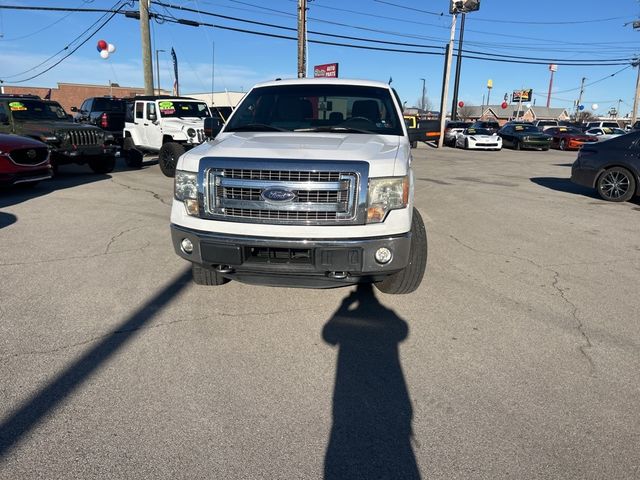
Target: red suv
23	161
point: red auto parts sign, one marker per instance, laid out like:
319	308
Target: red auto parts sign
326	70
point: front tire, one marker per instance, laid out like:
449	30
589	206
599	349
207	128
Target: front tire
563	144
168	157
516	145
616	184
206	276
408	280
132	157
103	164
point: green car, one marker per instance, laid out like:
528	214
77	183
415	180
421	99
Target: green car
519	136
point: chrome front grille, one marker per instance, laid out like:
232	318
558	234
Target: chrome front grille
85	137
315	193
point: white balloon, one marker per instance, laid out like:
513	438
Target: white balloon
594	106
104	54
111	48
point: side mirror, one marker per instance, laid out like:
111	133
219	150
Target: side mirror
74	109
4	118
212	127
152	116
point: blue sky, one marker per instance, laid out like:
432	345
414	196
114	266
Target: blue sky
501	27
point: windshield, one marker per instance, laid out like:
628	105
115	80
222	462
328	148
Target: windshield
318	107
477	131
108	105
183	109
56	108
570	130
525	128
35	110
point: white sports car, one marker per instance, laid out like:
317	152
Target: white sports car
478	139
605	133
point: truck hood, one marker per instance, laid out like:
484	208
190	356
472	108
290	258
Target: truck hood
179	123
50	126
380	151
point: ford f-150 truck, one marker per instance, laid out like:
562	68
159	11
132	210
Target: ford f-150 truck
308	184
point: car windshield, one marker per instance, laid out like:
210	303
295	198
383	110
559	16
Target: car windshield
477	131
56	108
34	110
613	131
525	128
183	109
108	105
317	108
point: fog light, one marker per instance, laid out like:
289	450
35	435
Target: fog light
186	246
383	255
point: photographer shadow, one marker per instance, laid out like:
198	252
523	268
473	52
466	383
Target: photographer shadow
372	413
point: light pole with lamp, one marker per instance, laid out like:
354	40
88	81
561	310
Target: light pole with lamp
158	69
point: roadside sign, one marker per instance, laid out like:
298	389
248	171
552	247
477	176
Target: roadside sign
326	70
522	95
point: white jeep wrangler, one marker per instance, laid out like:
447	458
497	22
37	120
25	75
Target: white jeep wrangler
163	124
309	184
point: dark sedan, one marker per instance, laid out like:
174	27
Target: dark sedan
569	138
611	167
520	135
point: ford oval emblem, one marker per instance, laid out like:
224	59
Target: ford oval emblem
278	195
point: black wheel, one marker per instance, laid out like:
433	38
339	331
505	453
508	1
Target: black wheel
414	144
466	144
409	279
103	164
206	276
168	157
132	157
545	149
616	184
563	144
516	145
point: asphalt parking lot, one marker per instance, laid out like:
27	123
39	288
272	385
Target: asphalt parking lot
517	358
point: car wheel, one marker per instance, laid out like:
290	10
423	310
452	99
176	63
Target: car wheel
466	144
408	280
516	145
616	184
563	144
414	144
103	164
132	157
207	276
168	157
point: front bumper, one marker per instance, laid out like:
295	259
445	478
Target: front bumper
80	154
536	143
26	176
293	262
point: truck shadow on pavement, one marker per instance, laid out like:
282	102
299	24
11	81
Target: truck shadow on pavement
564	185
45	401
7	219
372	413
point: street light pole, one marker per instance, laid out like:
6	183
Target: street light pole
456	82
447	73
422	103
158	69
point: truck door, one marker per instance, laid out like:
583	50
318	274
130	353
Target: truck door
139	121
152	126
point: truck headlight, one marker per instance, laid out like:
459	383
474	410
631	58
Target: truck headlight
186	190
385	194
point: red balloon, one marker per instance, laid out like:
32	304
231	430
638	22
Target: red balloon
461	104
504	105
102	45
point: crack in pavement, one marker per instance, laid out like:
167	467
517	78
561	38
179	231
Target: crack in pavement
118	235
149	327
579	324
77	257
155	195
562	292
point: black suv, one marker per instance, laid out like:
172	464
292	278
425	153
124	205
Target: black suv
46	120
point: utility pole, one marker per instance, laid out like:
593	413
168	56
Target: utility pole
145	38
580	96
456	81
634	112
447	73
552	68
302	38
423	102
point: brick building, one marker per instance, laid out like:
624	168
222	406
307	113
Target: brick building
72	94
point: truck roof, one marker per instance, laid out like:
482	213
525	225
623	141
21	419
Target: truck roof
323	80
159	97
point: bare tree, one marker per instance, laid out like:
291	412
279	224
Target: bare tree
465	112
428	105
585	116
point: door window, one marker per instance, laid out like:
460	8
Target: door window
139	110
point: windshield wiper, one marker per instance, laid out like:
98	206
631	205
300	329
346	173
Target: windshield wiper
333	129
256	127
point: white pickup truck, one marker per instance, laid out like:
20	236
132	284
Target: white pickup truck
163	124
308	184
